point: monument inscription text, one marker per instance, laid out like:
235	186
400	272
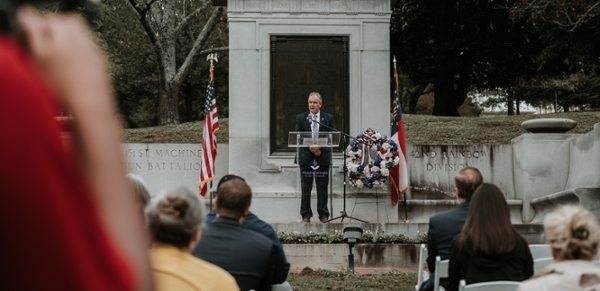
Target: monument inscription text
448	159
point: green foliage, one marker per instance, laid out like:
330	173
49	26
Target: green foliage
132	62
575	90
338	237
459	45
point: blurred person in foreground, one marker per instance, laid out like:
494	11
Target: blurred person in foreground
245	254
69	215
573	235
443	227
489	248
175	222
281	266
140	189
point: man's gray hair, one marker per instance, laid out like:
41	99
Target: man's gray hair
316	94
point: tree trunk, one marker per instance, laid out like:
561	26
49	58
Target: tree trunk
189	104
464	79
555	102
444	91
169	91
510	104
167	108
518	99
414	94
445	62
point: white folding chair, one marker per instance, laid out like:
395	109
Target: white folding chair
489	286
422	275
539	251
441	271
540	264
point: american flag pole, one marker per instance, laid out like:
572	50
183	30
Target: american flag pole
209	139
397	89
399	173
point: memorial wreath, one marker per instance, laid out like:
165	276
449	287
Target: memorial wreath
369	159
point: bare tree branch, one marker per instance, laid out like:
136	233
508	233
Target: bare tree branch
133	9
150	3
189	16
566	14
144	21
200	40
214	50
150	33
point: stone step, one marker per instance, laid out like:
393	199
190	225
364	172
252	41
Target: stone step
370	207
369	255
335	256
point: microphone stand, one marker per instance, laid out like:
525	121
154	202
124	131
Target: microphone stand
343	213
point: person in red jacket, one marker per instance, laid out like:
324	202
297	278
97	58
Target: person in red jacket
69	219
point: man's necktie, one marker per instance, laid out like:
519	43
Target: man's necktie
315	129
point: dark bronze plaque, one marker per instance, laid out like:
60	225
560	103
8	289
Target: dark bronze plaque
299	66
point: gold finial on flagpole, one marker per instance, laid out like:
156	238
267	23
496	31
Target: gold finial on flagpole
213	58
396	75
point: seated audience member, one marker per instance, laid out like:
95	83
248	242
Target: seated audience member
281	266
443	227
243	253
175	221
573	235
74	228
489	248
140	189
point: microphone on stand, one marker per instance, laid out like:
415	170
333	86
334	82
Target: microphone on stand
310	120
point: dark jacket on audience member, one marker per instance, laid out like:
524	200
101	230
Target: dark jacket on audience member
443	227
253	223
477	268
245	254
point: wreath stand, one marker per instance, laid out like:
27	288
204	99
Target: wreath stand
371	202
367	171
345	170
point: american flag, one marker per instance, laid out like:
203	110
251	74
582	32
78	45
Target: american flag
209	140
399	173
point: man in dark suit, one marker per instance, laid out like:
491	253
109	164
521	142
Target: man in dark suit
281	266
443	227
314	161
245	254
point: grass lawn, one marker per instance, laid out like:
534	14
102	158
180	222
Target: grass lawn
309	280
419	129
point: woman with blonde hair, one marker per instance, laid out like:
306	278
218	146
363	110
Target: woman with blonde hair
489	248
175	220
573	235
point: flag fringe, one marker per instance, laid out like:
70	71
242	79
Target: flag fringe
202	184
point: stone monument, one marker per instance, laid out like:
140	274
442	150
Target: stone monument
279	52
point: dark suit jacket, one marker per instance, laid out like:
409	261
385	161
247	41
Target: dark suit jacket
305	157
281	267
443	228
245	254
